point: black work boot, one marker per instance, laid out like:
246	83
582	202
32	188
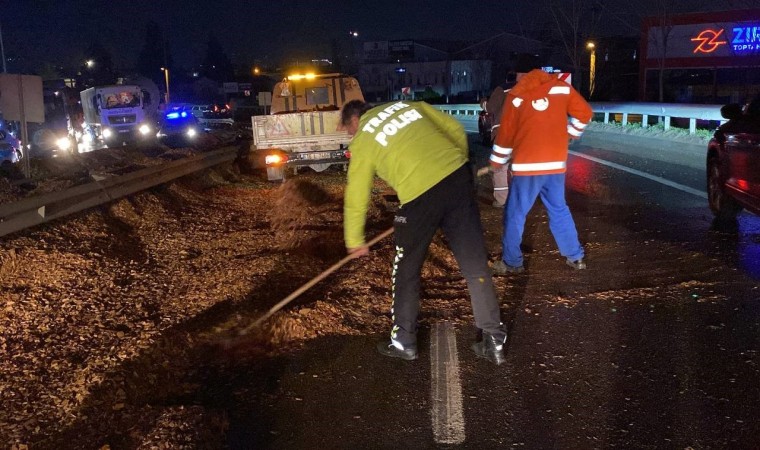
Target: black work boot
490	348
386	348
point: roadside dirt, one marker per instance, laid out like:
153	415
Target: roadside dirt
110	318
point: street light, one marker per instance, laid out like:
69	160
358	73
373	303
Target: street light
90	63
592	68
165	70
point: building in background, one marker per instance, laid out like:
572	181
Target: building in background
701	58
442	71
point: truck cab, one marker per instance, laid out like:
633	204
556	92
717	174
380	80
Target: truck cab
302	128
117	114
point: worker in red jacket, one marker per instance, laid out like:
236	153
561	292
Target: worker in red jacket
534	135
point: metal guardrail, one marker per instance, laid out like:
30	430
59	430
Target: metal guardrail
33	211
665	112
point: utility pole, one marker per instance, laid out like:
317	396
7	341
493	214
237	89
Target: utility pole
2	49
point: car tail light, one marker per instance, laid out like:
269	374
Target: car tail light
347	154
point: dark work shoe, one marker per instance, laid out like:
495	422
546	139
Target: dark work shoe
490	348
578	264
386	348
501	268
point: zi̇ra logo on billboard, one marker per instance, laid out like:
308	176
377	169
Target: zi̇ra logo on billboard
708	41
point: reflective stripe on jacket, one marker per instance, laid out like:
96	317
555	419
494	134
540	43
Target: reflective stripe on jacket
534	127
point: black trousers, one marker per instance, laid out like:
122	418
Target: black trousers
449	205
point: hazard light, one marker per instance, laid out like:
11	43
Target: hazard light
347	154
308	76
275	159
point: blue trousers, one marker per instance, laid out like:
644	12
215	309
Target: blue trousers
522	196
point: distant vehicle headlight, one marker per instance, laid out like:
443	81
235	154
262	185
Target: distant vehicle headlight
63	143
144	129
191	132
107	133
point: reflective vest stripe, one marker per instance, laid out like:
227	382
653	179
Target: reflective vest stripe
535	167
498	160
502	150
574	132
577	123
560	90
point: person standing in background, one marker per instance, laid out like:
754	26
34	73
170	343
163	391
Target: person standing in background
494	107
533	135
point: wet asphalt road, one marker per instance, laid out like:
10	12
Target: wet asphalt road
656	345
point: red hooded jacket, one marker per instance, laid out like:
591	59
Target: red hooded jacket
534	127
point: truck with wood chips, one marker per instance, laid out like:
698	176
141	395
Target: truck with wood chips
302	129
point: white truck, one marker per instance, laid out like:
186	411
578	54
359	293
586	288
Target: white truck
303	126
118	114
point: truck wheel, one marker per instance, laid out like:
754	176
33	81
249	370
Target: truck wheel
276	173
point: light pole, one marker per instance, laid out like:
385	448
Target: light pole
2	49
166	77
592	68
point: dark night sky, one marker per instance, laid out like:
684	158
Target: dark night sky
60	31
63	29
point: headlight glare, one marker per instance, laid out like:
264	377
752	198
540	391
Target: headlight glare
63	143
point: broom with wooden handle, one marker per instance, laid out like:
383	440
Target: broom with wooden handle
309	284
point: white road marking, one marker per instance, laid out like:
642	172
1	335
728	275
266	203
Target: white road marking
445	387
654	178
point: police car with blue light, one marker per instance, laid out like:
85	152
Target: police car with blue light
179	126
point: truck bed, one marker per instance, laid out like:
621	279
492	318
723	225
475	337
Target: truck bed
304	131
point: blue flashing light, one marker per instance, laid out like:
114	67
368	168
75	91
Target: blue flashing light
173	115
183	114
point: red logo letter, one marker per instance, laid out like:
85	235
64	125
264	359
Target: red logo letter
708	41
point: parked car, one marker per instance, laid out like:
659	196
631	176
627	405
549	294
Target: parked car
178	127
198	110
8	154
7	138
733	162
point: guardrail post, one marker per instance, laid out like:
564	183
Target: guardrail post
625	118
644	120
667	122
692	126
606	117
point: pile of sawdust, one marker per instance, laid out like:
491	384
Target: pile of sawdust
298	203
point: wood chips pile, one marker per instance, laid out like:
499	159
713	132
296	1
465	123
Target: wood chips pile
109	319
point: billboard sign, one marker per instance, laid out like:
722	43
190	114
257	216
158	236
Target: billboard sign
401	49
376	50
21	98
230	87
721	39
